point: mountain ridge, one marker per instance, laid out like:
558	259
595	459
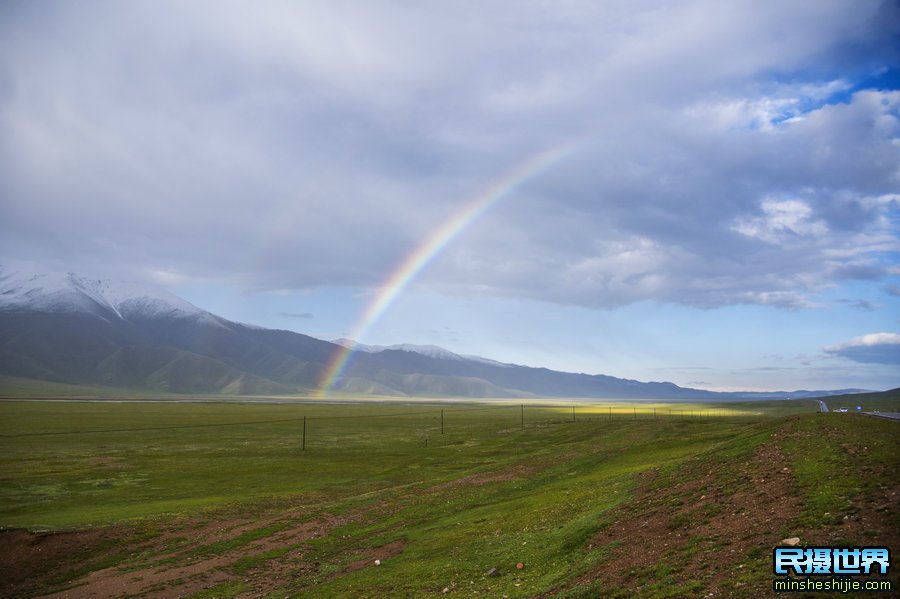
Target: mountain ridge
66	328
72	293
432	351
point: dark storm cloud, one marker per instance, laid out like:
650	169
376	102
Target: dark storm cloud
726	159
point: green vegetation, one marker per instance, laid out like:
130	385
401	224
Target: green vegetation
866	459
19	387
85	463
68	465
201	482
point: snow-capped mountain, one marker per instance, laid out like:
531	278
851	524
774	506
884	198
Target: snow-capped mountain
432	351
69	292
67	328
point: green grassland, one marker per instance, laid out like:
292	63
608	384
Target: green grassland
20	387
443	492
87	463
884	401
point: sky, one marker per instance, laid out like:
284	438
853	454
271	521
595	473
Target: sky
720	208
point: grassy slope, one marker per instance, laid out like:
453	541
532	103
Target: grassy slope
19	387
485	493
177	377
884	401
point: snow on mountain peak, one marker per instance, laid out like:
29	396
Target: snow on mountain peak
69	292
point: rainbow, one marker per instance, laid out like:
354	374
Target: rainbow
426	252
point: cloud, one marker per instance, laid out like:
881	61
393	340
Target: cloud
297	314
782	218
726	153
860	304
875	348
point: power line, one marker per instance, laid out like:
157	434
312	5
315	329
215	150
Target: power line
148	428
435	412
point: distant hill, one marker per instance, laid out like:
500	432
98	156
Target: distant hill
65	328
884	401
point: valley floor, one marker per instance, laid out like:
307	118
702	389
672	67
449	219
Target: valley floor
381	504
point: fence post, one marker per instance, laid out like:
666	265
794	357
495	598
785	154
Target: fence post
303	448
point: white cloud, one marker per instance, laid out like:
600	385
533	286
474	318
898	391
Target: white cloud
788	103
877	348
782	219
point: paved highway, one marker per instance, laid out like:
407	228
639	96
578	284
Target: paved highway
888	415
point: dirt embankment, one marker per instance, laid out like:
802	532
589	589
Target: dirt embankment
710	528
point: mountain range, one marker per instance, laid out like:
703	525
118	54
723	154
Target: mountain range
66	328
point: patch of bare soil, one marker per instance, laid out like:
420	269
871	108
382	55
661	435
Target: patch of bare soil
28	560
483	478
376	553
704	527
32	564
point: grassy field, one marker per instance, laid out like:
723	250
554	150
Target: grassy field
19	387
223	499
